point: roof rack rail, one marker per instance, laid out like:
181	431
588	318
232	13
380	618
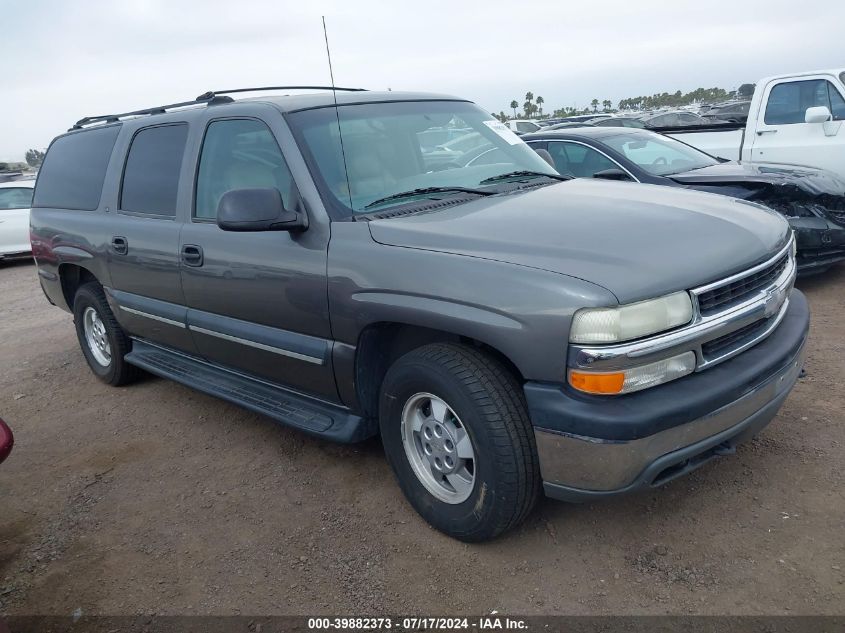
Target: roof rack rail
212	97
212	93
113	118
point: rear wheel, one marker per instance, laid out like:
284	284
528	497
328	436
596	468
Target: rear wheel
103	342
458	437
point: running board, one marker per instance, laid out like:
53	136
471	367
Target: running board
313	416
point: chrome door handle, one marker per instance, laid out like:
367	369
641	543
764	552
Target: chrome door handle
120	245
192	255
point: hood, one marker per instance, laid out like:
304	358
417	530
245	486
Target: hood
794	191
806	179
638	241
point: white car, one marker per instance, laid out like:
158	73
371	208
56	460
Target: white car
15	200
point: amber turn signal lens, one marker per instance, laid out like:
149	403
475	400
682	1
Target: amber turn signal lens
597	383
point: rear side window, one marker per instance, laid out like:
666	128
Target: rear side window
15	198
788	102
151	176
74	169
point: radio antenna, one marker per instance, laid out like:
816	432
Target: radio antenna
337	114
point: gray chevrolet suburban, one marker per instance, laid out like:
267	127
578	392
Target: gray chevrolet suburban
341	263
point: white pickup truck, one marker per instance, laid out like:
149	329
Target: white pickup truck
795	119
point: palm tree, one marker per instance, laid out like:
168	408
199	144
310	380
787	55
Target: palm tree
595	104
514	106
540	102
606	104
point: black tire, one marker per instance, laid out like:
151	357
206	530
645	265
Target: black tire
490	405
118	371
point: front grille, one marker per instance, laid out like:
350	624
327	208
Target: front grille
723	297
718	346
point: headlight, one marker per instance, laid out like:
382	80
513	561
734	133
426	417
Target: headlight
624	323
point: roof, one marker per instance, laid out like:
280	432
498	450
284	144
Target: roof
588	132
805	73
284	102
292	103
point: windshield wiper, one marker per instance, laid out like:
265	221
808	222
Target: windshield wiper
428	190
517	174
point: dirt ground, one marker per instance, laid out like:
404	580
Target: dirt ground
155	499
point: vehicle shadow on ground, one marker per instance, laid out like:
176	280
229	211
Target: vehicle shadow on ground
16	263
834	275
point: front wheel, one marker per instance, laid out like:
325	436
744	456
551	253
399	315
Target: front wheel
457	435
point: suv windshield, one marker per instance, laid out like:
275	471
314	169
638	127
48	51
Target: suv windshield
402	146
659	155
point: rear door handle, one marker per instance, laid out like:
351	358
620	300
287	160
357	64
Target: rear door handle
192	255
761	132
120	245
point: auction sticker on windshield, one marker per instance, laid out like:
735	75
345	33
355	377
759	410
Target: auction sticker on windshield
502	130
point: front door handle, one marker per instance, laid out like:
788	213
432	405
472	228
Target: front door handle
761	132
192	255
120	245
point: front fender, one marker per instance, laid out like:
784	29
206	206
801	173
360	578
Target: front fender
522	312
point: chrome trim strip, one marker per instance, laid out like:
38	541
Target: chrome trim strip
700	330
746	273
601	465
154	317
705	363
261	346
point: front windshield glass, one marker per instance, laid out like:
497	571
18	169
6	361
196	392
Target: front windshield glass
401	146
659	155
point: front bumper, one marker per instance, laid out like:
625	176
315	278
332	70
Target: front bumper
821	243
593	446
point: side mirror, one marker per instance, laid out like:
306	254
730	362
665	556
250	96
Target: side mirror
818	114
256	210
612	174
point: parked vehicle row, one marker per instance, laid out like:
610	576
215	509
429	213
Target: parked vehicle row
504	328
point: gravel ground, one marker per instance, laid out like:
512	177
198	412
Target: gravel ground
157	499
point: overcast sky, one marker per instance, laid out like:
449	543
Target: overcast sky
62	60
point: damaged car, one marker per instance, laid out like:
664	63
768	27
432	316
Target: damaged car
812	200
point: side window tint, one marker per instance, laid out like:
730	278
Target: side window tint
74	169
239	154
579	160
151	176
788	102
15	198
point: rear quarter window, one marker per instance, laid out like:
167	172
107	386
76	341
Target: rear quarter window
74	170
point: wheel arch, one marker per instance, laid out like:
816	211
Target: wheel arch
381	343
71	277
